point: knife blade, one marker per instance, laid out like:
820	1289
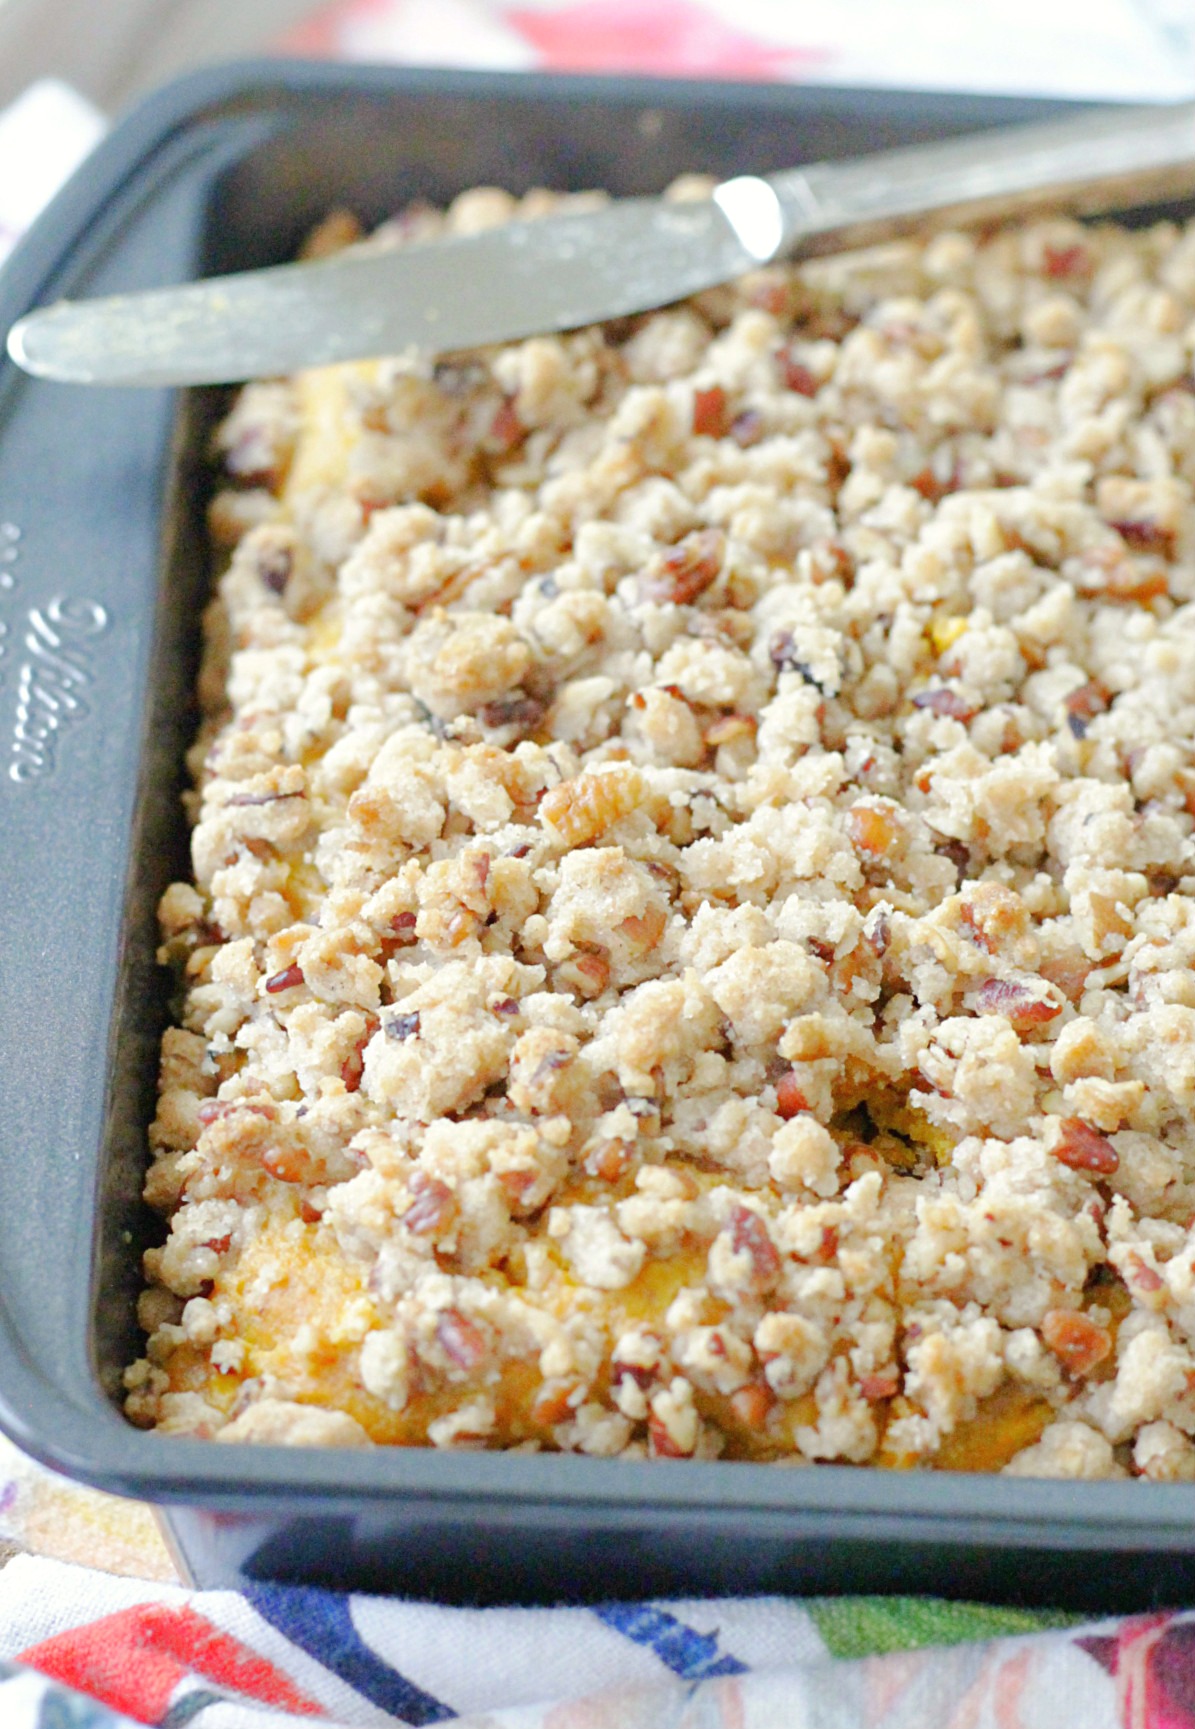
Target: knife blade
565	271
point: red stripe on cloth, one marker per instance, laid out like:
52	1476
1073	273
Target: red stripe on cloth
667	36
133	1661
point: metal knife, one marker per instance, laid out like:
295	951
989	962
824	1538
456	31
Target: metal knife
562	272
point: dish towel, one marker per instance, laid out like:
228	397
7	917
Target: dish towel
94	1630
281	1655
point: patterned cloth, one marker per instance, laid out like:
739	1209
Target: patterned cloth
96	1609
1136	50
94	1629
284	1656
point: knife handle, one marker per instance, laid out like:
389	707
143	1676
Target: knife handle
1092	163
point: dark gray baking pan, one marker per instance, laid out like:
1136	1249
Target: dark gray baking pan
102	574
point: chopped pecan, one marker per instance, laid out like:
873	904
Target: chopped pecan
555	1403
460	1339
683	574
728	727
609	1160
749	1235
796	376
521	712
709	412
1076	1340
594	971
1065	261
1018	1003
790	1100
753	1404
1068	972
581	809
932	487
664	1445
877	933
875	1387
945	703
1141	1276
353	1067
403	1026
261	798
747	428
1082	1148
287	980
871	830
645	930
506	429
784	657
1146	536
433	1206
827	1246
290	1162
1083	705
273	565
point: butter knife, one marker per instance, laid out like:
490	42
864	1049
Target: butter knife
562	272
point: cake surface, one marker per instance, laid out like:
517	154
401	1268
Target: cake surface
690	947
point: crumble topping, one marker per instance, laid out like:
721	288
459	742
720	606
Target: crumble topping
690	949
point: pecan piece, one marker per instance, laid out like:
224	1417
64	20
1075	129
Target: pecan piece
402	1027
709	412
274	565
752	1404
1060	262
609	1160
506	429
581	809
876	1387
783	655
645	931
353	1066
555	1403
1017	1002
287	980
1076	1340
796	376
1141	1276
522	712
590	974
749	1235
683	574
871	830
1146	536
433	1206
662	1443
403	926
1082	1148
747	428
945	703
1083	705
790	1100
289	1162
460	1339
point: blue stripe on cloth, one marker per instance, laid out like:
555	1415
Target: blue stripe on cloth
691	1655
190	1705
320	1623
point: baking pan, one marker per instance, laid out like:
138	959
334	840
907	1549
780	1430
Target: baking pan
102	575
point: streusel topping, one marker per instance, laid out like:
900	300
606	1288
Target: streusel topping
690	949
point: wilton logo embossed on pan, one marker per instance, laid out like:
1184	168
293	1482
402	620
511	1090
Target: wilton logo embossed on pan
51	650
